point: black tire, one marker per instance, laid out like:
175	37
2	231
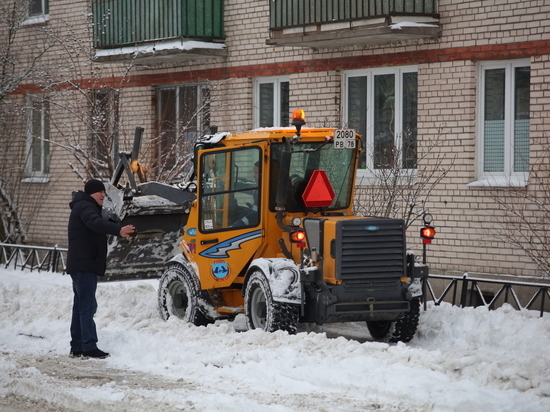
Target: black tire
401	330
262	312
180	295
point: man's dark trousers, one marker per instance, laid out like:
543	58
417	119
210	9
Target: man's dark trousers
83	330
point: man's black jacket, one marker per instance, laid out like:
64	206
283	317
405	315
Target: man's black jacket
88	232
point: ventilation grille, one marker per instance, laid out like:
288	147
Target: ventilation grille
370	249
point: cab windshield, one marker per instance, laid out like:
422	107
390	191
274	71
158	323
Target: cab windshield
305	159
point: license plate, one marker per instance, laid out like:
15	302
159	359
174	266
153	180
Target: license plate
344	139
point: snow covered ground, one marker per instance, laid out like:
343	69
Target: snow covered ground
461	359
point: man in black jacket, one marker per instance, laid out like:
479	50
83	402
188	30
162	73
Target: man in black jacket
86	260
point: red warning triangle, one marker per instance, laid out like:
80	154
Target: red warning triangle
319	192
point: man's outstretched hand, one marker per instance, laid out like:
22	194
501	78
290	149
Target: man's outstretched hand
127	231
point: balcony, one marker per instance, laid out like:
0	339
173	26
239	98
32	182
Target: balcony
338	23
158	31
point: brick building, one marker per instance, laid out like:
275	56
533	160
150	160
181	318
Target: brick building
459	84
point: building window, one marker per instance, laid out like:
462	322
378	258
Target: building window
183	115
38	7
39	11
503	128
38	160
271	102
104	132
381	104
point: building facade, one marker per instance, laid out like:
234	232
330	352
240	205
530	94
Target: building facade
451	98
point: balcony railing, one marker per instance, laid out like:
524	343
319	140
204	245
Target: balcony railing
128	22
334	23
291	13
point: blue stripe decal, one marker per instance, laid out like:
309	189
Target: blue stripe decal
221	249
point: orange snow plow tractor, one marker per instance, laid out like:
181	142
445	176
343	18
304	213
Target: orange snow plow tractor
270	233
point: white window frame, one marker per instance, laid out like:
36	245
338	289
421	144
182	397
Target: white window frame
199	122
508	178
367	176
276	81
38	176
41	17
188	137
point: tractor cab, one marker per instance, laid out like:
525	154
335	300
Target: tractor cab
253	191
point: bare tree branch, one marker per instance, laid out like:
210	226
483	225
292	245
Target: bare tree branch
392	191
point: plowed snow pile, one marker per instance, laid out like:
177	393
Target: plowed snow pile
461	359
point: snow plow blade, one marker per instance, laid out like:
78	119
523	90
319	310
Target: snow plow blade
159	212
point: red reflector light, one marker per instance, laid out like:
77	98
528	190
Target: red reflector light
318	192
298	236
427	232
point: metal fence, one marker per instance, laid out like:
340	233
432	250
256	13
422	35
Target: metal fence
125	22
469	291
457	290
40	258
288	13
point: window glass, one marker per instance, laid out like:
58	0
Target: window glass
384	123
504	125
104	136
305	159
495	88
38	7
272	102
357	109
285	104
267	97
229	190
183	116
382	106
521	118
39	145
410	119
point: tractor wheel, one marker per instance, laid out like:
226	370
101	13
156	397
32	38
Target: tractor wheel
400	330
180	295
262	312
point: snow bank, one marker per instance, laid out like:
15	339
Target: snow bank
460	360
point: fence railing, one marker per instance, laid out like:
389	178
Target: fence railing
288	13
40	258
467	291
461	290
124	22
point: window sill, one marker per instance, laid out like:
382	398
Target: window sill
36	179
501	181
40	19
406	178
